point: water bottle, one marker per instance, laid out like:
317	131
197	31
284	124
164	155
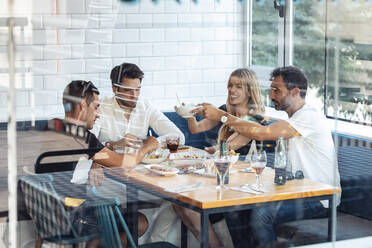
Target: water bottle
289	173
224	155
280	162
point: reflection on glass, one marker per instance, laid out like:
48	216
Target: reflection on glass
264	34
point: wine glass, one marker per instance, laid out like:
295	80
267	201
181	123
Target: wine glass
222	165
258	164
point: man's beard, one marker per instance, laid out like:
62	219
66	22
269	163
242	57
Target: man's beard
127	103
280	106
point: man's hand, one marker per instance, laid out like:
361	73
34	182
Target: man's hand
129	140
150	144
210	112
96	175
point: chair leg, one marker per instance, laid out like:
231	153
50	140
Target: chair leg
39	242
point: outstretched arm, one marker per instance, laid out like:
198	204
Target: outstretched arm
200	126
258	132
109	158
238	141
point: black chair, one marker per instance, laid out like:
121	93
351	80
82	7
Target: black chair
53	222
60	166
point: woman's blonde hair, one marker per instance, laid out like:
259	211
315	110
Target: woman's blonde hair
249	81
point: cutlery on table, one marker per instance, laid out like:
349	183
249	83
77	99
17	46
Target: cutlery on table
247	189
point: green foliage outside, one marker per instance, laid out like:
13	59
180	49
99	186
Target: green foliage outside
309	53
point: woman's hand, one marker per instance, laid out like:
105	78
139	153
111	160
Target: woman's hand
211	150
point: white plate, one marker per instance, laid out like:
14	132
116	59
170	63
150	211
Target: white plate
202	172
187	161
191	155
169	171
163	156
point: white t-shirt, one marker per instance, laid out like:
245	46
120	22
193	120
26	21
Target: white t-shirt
113	126
313	151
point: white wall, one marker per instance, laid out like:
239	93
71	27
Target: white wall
188	48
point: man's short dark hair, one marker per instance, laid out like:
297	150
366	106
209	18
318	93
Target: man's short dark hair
293	77
76	91
125	70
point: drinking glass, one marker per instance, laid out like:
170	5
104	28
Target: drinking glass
222	165
258	164
172	143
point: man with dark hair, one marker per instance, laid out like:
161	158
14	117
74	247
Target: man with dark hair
124	119
80	101
293	77
310	149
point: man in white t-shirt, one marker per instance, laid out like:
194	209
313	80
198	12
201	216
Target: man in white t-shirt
310	149
124	119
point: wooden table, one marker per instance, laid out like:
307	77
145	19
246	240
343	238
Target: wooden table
209	200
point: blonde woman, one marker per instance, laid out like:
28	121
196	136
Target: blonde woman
243	101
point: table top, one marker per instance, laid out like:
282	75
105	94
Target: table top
209	197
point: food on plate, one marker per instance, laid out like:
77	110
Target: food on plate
160	168
187	168
193	156
233	153
153	156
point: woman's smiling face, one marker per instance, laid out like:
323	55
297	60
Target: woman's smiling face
237	95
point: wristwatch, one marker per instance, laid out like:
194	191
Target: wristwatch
224	118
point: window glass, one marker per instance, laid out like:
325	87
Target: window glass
349	61
309	44
264	43
264	34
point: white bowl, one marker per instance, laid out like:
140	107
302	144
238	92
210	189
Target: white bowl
185	110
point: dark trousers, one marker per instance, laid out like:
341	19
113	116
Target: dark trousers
256	227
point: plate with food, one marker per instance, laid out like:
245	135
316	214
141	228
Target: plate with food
190	155
162	170
204	172
156	156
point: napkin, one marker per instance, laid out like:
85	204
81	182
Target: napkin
81	172
247	170
181	189
246	189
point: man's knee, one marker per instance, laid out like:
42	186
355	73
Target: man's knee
261	216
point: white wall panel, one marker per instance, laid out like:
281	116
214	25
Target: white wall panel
152	35
189	48
71	66
57	52
125	35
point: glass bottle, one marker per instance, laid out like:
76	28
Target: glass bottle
280	162
289	163
224	155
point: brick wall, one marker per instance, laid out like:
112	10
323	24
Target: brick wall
189	48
